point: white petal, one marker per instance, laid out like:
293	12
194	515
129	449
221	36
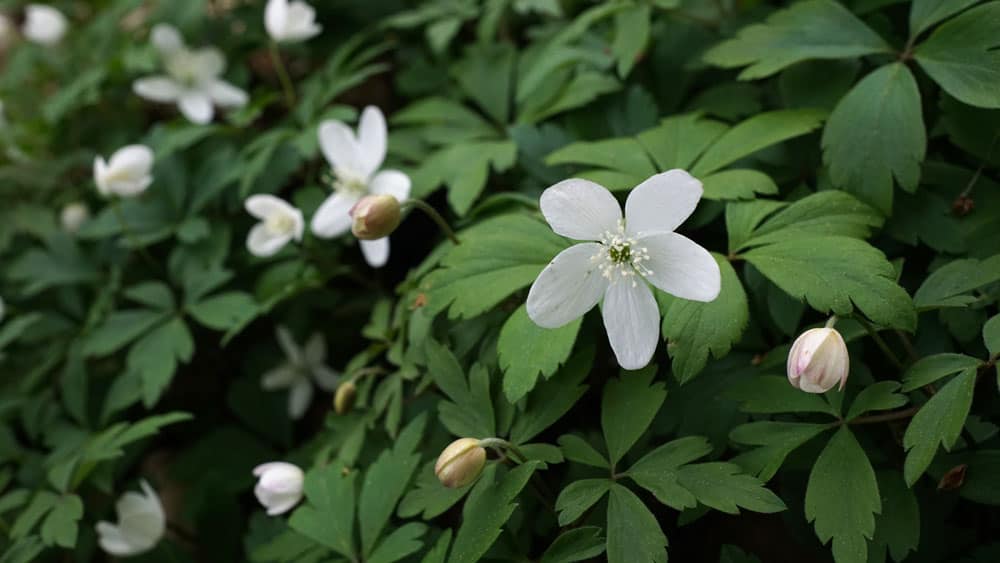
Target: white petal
288	345
372	133
100	176
326	378
632	320
133	160
262	242
314	352
661	203
131	188
208	63
391	182
226	95
681	267
111	540
166	39
299	398
341	148
280	377
275	17
580	209
43	24
157	89
196	106
263	206
333	216
376	251
567	288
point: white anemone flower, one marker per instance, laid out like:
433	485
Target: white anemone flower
304	367
355	160
193	78
126	174
625	254
289	22
280	223
279	486
43	24
141	524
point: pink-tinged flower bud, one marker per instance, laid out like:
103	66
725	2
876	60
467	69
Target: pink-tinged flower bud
818	361
375	216
460	463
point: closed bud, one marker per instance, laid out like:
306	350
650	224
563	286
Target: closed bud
460	463
375	217
343	399
73	216
279	486
818	361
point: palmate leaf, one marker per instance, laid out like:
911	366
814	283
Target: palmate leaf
776	440
815	29
527	350
939	421
328	515
489	506
897	528
628	406
634	535
961	55
952	285
925	13
578	544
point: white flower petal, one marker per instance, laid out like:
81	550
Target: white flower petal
341	148
391	182
314	352
133	160
326	378
333	217
44	24
208	63
299	398
376	251
280	377
580	209
166	39
275	18
157	89
372	138
567	288
112	541
263	206
226	95
632	320
262	242
681	267
288	345
196	106
100	176
661	203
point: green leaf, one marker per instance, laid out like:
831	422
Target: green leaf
939	420
628	406
881	396
771	394
737	184
152	294
579	450
439	552
897	528
657	471
41	503
578	544
553	398
876	133
328	515
991	335
470	411
756	133
60	525
814	29
680	140
402	542
634	535
925	13
624	155
823	213
120	328
464	168
578	497
487	509
932	368
951	284
225	310
842	498
724	487
961	56
836	273
155	356
694	329
427	496
496	258
527	350
631	36
486	74
776	440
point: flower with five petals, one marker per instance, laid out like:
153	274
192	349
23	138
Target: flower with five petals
279	224
622	256
304	367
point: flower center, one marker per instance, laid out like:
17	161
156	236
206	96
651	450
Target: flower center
183	67
348	182
620	257
278	224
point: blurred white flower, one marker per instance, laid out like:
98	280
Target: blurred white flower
355	160
288	22
73	216
304	367
128	173
192	80
279	486
624	255
279	224
43	24
141	524
6	32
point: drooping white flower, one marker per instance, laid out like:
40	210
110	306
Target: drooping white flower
193	78
141	524
304	367
279	224
128	173
279	486
43	24
355	159
73	216
288	22
818	361
624	254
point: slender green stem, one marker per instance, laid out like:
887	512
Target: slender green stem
130	237
286	82
831	321
880	342
433	214
500	443
887	417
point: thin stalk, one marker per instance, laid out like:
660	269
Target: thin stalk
880	342
886	417
286	81
433	214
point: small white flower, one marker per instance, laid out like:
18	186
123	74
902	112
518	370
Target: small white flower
43	24
355	160
73	216
626	253
128	173
192	80
279	486
141	524
279	224
288	22
304	367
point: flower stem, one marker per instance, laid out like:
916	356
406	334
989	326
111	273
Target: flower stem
130	237
433	214
880	342
831	321
887	417
499	443
286	82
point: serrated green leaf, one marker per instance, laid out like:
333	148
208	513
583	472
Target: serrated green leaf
756	133
487	509
680	140
155	357
120	328
60	525
527	351
401	542
579	450
628	406
776	440
225	310
724	487
961	56
939	421
925	13
951	284
738	184
624	155
577	544
428	497
553	398
881	396
822	213
631	35
897	528
634	535
657	471
328	515
153	294
770	394
470	411
932	368
578	497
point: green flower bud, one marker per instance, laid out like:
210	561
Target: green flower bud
460	463
375	216
343	399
